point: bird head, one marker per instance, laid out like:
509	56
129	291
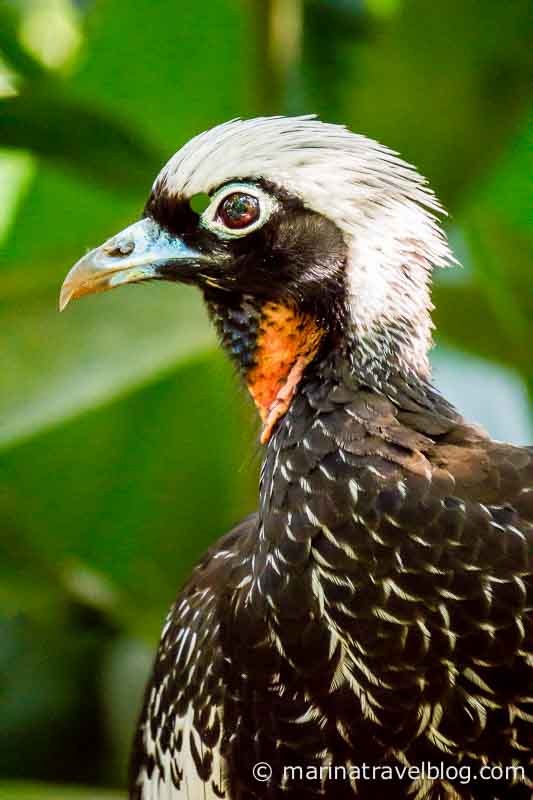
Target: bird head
306	240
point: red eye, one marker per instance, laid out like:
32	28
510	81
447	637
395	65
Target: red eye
238	210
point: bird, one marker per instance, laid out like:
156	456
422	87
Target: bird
367	632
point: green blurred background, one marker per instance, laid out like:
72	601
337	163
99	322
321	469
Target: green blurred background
126	445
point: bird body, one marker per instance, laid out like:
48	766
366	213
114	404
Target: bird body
367	633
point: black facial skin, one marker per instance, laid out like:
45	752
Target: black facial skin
298	257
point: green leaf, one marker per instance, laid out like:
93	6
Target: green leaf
48	121
66	657
446	88
21	790
61	365
127	667
507	189
497	321
11	48
463	315
170	70
59	217
133	491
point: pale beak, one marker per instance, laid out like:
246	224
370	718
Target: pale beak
138	253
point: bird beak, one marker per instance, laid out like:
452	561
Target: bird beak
138	253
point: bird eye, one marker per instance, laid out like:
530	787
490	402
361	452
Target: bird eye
238	210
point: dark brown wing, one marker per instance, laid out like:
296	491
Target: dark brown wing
419	531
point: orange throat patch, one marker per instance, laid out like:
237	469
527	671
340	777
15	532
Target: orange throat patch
286	342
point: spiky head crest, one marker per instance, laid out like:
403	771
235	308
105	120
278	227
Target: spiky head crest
382	206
